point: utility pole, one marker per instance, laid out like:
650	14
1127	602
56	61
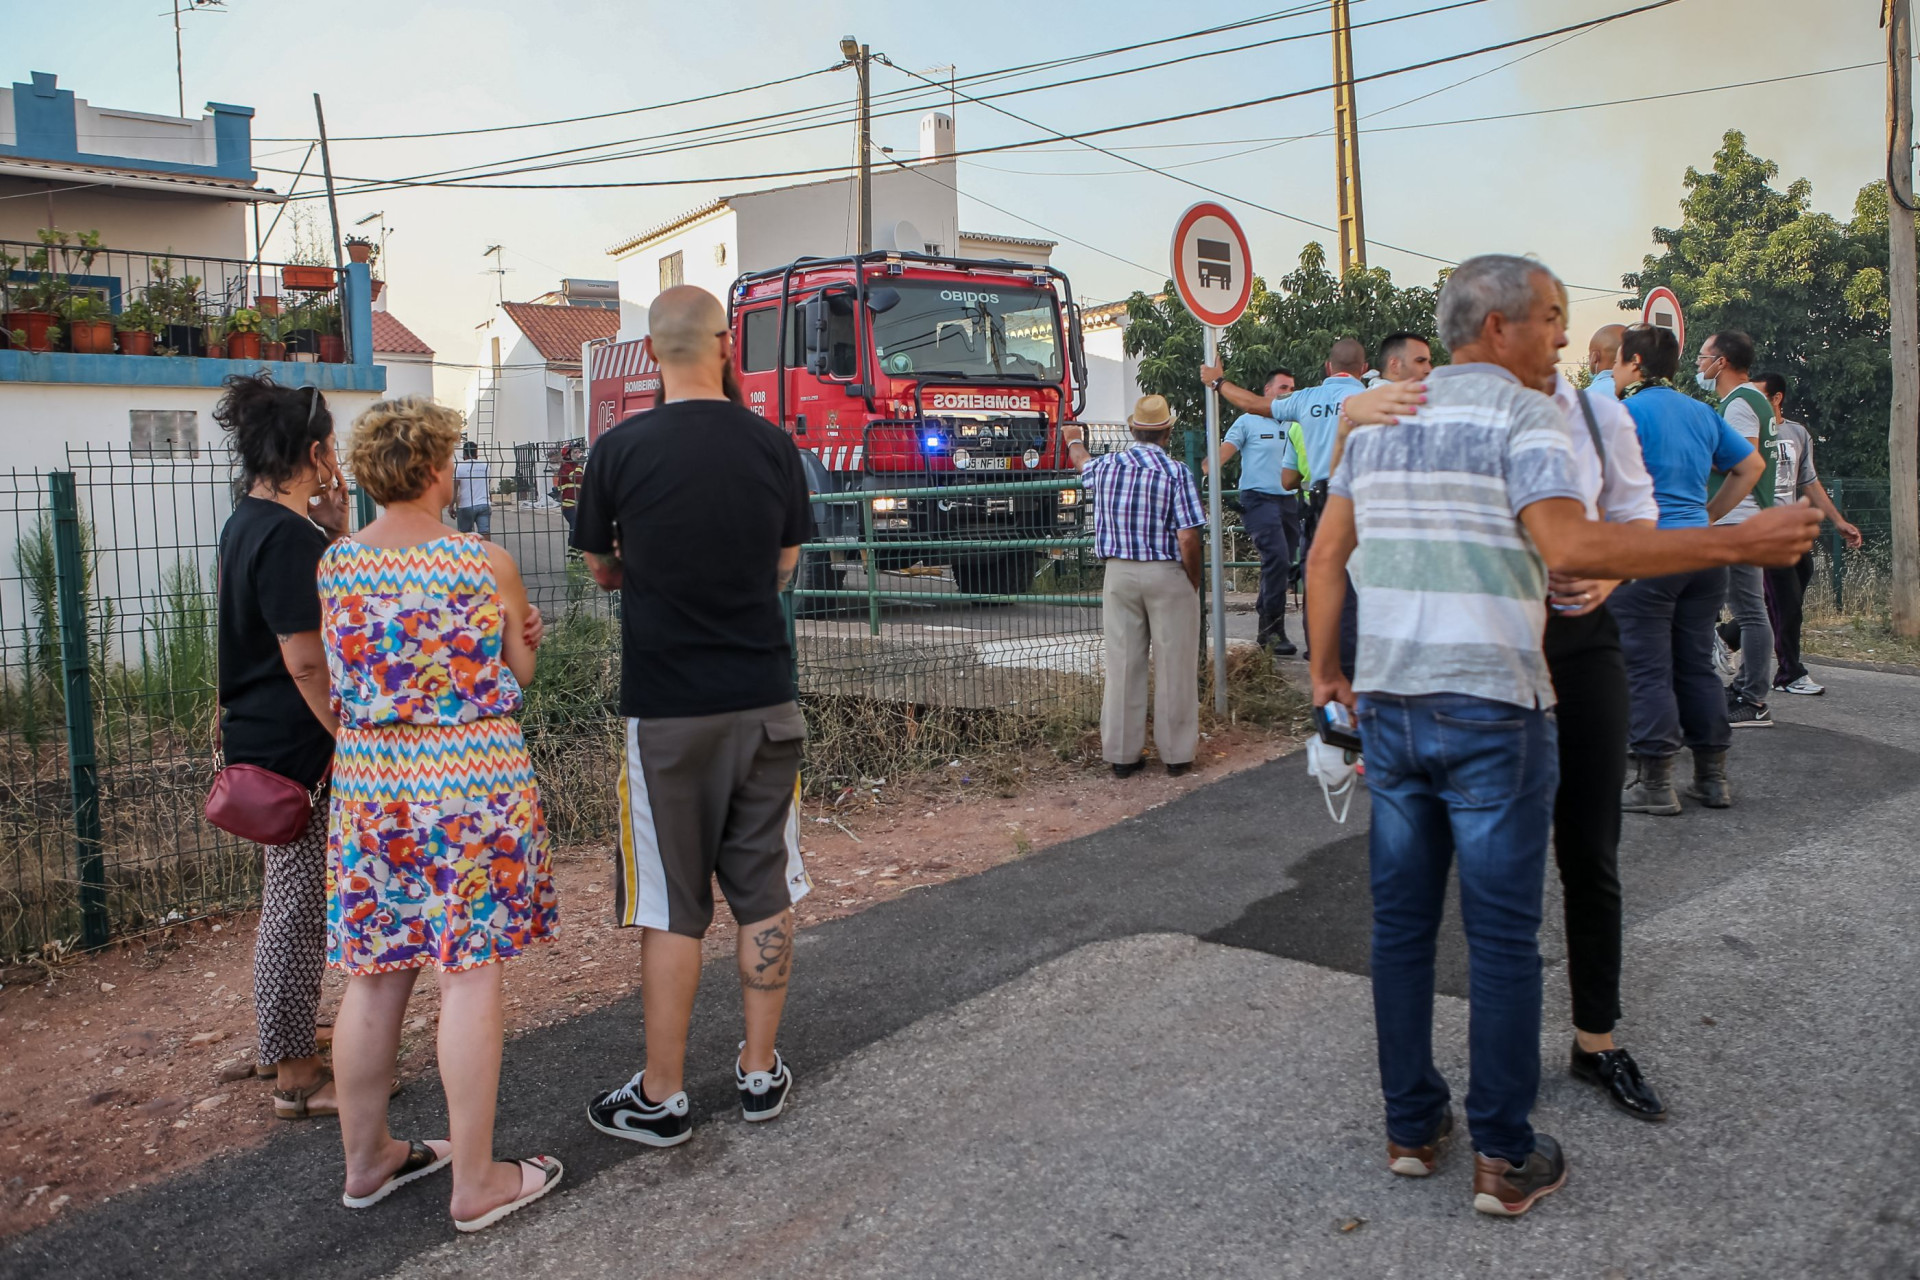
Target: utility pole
861	59
1346	147
1903	425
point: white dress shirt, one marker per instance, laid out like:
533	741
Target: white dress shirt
1620	490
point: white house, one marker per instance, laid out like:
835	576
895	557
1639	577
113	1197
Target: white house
916	207
1113	376
170	199
407	358
530	389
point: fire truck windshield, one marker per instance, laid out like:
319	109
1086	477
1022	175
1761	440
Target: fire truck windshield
969	330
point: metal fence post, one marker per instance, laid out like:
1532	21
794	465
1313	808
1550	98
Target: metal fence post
1834	547
77	684
364	506
871	552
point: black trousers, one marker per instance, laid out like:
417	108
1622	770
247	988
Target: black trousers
1590	684
1786	600
1350	610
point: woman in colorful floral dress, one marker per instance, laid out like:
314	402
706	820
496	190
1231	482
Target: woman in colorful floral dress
438	849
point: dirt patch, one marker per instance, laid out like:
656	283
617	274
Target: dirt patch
111	1065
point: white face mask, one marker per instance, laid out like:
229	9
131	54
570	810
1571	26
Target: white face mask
1334	769
1706	383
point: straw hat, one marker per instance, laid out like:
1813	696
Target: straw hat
1151	413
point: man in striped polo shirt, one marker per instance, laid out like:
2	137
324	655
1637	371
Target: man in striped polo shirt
1146	527
1458	513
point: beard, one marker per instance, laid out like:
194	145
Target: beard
730	384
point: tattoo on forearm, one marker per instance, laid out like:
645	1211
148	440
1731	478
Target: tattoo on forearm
771	960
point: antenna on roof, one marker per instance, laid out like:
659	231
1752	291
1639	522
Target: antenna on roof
498	270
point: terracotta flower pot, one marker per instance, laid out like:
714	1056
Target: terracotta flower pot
243	346
307	277
274	350
90	337
268	304
36	324
333	350
216	351
359	252
136	342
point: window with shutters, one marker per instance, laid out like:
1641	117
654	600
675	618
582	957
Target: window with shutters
673	270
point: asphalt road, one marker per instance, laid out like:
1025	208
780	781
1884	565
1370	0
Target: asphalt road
1148	1051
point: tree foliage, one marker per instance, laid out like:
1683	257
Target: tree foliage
1290	327
1811	289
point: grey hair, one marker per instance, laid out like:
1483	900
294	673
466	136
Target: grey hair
1478	287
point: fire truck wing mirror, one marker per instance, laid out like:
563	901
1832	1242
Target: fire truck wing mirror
883	299
813	324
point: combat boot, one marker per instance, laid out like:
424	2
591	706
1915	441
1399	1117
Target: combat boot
1650	789
1710	786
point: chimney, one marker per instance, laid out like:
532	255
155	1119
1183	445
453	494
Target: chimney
936	135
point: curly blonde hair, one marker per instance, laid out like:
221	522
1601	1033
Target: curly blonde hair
397	445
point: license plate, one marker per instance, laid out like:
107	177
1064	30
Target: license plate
990	464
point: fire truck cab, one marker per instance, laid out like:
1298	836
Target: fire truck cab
895	370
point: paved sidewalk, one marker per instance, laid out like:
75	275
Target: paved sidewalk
991	1081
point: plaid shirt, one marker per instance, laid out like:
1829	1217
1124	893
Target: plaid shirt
1140	497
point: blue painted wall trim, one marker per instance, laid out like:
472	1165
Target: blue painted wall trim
46	128
68	369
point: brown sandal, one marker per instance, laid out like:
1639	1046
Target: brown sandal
295	1104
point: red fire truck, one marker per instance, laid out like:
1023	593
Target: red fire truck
896	370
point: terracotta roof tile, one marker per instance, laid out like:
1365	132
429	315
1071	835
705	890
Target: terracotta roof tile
558	332
394	338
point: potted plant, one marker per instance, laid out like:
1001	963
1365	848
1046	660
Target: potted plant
271	346
360	249
175	302
302	337
213	345
298	276
137	328
269	304
31	319
89	324
243	335
332	346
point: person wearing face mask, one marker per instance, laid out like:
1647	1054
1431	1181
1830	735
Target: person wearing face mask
711	767
1723	368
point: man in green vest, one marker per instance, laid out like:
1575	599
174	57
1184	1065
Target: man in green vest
1724	367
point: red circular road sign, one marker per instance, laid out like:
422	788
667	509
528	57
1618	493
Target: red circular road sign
1212	267
1663	309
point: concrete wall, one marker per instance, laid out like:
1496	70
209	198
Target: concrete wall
143	222
39	420
639	271
407	375
1112	376
987	246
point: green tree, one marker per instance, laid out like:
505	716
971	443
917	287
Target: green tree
1811	289
1289	327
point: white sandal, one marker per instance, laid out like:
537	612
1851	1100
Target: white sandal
422	1159
550	1171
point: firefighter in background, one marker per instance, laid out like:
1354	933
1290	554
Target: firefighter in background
566	483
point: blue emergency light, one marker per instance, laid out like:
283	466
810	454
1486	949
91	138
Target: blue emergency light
936	442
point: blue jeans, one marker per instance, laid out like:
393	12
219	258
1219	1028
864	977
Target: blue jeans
1272	521
1453	774
1666	633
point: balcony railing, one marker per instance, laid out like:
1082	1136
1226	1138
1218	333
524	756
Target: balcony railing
78	297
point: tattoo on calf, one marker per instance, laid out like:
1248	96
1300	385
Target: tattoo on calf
773	948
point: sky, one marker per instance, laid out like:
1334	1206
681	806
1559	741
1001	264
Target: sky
1582	189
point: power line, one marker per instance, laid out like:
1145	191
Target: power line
809	119
1215	191
375	185
975	78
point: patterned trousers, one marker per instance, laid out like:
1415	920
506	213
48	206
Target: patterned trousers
290	950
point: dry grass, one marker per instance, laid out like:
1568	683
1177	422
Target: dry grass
1862	630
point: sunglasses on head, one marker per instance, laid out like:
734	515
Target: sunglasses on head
313	406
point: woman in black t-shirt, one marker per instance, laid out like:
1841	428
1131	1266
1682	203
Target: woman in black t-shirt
274	701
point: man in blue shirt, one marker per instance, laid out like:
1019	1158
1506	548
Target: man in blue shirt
1603	350
1269	509
1317	410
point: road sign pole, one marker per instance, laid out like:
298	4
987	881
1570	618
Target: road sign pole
1217	575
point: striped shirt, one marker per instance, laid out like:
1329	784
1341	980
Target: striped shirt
1140	497
1452	590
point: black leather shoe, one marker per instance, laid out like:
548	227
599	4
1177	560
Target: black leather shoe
1179	770
1615	1071
1284	648
1128	770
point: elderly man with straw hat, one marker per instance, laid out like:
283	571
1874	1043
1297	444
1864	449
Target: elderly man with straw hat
1146	527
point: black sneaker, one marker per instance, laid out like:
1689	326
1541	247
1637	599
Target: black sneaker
1509	1190
1742	714
763	1094
626	1113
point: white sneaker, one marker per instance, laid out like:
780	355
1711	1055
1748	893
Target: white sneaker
1805	686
